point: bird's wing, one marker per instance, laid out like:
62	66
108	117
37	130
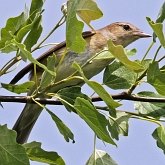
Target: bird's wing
29	67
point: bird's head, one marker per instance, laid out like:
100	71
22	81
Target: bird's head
123	33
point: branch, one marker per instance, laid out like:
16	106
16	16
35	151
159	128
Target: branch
120	96
127	96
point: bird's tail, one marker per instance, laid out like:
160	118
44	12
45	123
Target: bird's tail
26	121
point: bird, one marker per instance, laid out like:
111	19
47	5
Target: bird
121	33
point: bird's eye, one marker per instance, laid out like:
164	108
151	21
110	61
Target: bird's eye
126	27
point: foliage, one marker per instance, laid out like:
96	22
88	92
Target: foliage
107	122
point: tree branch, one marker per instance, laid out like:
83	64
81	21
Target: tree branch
120	96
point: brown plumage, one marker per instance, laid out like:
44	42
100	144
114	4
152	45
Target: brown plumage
121	33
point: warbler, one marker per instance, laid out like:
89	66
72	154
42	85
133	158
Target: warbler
121	33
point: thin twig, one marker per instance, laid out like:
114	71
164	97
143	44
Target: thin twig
161	58
9	64
134	115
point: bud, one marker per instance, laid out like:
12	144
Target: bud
64	8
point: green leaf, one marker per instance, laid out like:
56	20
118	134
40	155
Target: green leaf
156	78
119	125
117	76
158	30
131	52
48	79
36	6
161	15
145	64
36	153
22	32
96	121
99	89
159	136
88	10
12	27
64	130
34	34
100	158
119	53
31	31
74	27
20	88
150	109
104	55
104	95
9	47
25	25
27	55
10	151
70	94
160	18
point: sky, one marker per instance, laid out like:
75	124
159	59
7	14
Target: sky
139	148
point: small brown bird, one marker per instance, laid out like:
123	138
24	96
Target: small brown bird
121	33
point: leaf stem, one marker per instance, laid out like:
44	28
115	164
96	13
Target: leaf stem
132	88
157	51
149	48
147	119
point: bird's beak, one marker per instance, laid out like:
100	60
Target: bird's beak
141	34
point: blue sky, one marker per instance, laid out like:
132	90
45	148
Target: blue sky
139	148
